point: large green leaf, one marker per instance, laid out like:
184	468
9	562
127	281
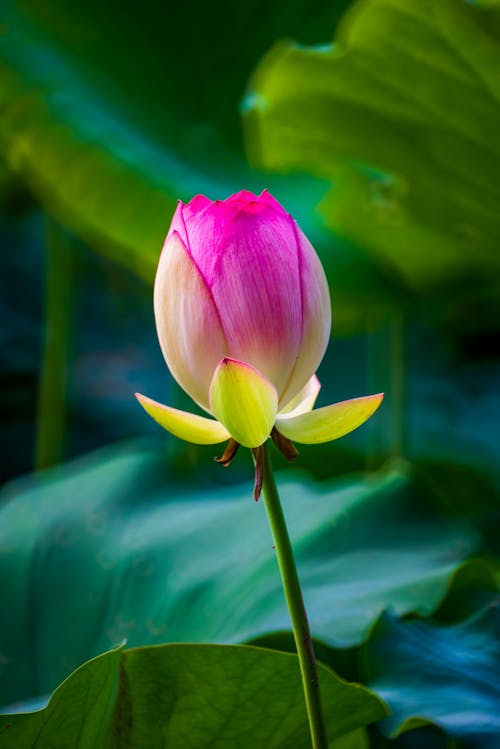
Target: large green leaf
402	113
150	560
109	124
448	675
202	696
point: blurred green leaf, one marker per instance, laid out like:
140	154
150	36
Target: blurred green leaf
402	114
150	560
189	695
447	675
109	124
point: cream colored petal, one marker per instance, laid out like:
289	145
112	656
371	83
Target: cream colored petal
189	327
303	401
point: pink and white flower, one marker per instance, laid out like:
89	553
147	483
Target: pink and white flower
243	316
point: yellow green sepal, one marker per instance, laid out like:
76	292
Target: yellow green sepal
328	423
186	426
244	401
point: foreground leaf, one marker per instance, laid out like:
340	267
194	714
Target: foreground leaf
148	559
447	675
204	696
355	740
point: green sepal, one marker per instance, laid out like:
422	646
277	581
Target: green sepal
329	423
186	426
244	401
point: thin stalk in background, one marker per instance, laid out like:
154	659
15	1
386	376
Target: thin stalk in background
293	595
386	367
52	389
398	386
375	382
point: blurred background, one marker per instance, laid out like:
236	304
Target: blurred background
383	144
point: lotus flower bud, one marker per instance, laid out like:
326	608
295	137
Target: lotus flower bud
243	317
237	278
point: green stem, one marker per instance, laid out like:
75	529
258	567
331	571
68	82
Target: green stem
51	418
293	595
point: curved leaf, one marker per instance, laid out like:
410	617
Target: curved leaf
148	559
447	675
401	113
206	696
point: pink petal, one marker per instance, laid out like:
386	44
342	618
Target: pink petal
316	318
186	213
268	199
196	205
203	224
188	323
177	224
205	230
240	199
256	286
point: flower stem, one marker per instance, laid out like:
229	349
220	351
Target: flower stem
293	595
